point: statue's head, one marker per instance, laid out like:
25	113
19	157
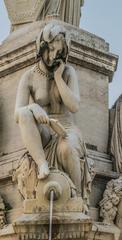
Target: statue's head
53	45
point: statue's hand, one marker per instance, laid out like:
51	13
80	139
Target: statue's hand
59	71
58	127
39	114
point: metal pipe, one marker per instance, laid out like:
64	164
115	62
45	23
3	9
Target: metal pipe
51	214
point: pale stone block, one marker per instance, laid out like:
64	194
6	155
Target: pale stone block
93	115
104	231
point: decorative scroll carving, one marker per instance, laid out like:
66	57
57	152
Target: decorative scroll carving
2	213
26	176
111	200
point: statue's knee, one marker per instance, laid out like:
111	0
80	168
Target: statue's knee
24	115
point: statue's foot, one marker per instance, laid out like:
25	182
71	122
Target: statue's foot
43	170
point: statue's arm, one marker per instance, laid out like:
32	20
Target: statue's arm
22	101
68	92
23	94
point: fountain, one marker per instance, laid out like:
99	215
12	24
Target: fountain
54	214
46	168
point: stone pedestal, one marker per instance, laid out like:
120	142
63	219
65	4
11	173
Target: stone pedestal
65	226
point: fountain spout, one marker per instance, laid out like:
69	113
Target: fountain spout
52	192
55	187
51	214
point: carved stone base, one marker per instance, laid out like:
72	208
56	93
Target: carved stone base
102	231
63	188
65	226
72	226
74	205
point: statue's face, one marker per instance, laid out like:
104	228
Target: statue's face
53	54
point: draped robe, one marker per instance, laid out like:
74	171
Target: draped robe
67	10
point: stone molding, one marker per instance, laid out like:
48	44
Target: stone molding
99	232
103	62
102	231
18	59
80	54
9	162
29	32
65	228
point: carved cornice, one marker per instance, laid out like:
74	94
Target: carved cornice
99	61
9	162
103	62
17	59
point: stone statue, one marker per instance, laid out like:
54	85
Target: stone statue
26	177
67	10
111	199
46	124
116	139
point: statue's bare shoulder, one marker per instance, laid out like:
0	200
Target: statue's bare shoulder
26	79
23	92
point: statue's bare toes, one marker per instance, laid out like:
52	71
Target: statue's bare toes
43	171
43	175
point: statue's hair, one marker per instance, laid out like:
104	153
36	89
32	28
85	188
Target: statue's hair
50	32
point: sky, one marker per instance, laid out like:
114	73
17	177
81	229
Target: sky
103	18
